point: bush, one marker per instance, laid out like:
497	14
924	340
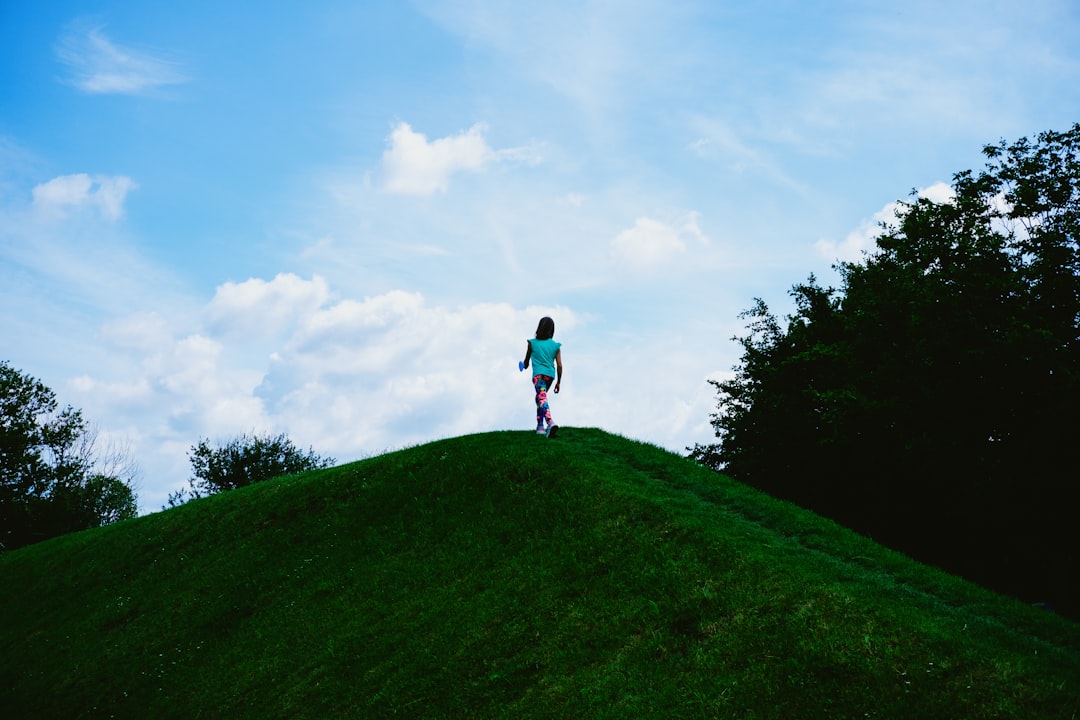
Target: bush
244	460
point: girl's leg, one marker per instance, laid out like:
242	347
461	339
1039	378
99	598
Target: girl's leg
543	411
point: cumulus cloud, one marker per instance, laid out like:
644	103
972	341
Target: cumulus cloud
348	376
351	377
391	367
651	243
413	165
939	192
55	198
863	239
96	65
258	307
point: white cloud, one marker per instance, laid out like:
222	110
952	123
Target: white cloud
257	307
53	199
860	240
64	247
939	192
863	239
98	66
394	369
414	166
651	243
350	377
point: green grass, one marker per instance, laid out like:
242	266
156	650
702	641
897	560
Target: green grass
506	576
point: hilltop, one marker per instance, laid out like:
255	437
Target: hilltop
503	575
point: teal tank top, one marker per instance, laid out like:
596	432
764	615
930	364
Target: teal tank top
543	356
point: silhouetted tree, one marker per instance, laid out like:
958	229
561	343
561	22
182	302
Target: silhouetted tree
931	402
53	478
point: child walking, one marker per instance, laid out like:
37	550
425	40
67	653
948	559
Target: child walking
546	356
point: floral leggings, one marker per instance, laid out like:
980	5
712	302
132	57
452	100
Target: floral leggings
543	411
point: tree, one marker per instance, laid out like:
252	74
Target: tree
931	401
242	461
53	480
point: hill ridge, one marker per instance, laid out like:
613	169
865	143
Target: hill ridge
504	575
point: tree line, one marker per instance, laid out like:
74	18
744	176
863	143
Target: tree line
931	401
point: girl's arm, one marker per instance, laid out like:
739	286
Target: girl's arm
558	369
528	354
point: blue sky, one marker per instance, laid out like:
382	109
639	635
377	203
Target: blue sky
341	220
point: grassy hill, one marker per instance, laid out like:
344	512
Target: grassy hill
505	576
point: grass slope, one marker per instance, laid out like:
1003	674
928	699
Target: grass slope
505	576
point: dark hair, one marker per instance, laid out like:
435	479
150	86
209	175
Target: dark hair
546	329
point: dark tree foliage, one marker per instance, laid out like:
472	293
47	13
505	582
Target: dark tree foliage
243	461
50	479
932	401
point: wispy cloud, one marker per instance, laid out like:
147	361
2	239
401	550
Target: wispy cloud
718	142
97	65
55	198
590	53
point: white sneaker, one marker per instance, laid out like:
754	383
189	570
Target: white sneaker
541	431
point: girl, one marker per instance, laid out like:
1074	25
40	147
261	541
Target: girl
547	366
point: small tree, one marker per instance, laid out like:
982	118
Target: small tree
243	461
53	479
